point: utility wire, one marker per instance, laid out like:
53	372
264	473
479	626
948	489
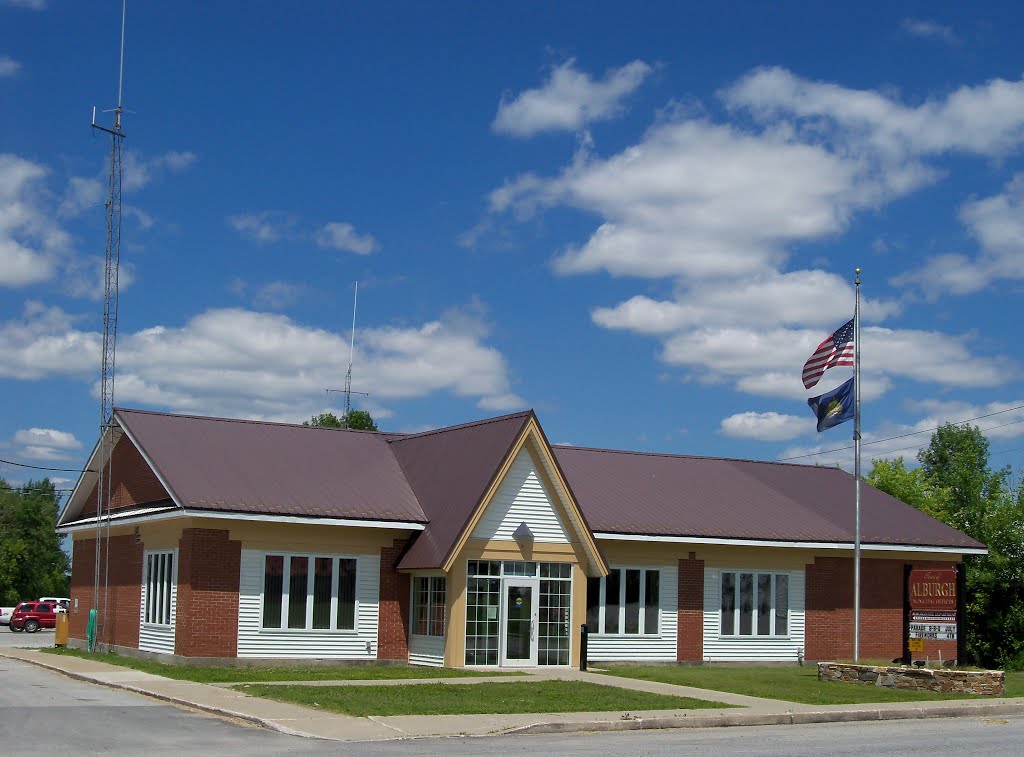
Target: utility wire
912	433
43	467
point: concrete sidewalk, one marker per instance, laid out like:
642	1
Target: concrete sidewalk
303	721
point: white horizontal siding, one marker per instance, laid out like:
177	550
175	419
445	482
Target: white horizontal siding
426	650
660	648
254	641
521	498
752	648
152	637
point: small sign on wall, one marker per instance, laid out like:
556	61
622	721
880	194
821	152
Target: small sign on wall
916	645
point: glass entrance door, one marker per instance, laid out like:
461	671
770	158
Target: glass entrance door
520	626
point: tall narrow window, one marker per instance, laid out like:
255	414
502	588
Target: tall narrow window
652	600
728	604
746	603
297	587
323	573
347	593
593	604
159	586
428	598
781	605
273	590
632	601
612	590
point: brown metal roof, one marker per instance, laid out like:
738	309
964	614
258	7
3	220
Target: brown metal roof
438	478
673	495
450	470
274	468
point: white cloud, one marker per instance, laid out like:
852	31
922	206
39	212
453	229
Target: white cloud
8	66
764	426
139	171
264	227
247	364
47	437
917	27
343	236
81	194
569	100
45	443
31	242
35	5
997	223
987	119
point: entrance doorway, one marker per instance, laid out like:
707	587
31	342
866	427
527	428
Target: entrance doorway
518	613
520	623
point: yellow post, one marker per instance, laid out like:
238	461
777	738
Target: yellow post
60	635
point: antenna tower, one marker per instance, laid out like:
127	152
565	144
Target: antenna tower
351	352
98	615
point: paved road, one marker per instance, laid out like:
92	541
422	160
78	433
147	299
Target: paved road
42	712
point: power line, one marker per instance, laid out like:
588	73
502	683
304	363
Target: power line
43	467
912	433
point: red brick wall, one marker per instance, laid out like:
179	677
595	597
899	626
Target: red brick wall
132	481
690	640
122	593
829	618
207	603
393	628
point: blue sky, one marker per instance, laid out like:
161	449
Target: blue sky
638	219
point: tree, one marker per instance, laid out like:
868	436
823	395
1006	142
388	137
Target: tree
956	485
32	563
359	420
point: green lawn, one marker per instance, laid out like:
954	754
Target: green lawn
475	699
791	683
324	672
1015	684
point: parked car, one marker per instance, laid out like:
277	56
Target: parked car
31	616
5	615
62	603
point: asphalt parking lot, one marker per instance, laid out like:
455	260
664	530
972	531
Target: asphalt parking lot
41	638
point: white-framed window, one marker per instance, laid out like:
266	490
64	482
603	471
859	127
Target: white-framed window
428	598
309	592
159	587
626	601
754	603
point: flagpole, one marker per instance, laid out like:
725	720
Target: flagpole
856	472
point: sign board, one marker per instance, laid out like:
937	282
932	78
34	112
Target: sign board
932	590
916	645
932	597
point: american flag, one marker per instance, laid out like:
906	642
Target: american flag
836	350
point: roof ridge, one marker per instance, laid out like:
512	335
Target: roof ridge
679	455
459	427
254	421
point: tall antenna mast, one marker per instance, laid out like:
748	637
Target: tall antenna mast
98	614
351	355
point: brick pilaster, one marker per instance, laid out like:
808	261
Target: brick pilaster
207	601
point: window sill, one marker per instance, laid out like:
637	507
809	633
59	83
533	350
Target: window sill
753	637
309	631
157	626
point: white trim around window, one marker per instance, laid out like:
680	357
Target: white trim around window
754	604
626	602
308	592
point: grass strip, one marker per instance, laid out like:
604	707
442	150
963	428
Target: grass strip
476	699
788	683
231	674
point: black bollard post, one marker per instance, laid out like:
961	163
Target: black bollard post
583	647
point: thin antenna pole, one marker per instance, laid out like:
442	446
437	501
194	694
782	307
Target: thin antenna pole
856	472
120	76
351	355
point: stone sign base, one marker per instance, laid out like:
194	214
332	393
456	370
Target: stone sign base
986	682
